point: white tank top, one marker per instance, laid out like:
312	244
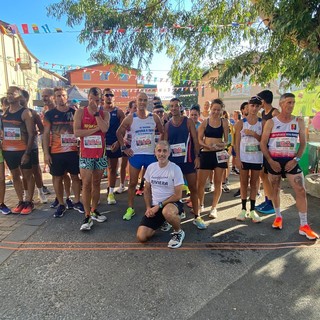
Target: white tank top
283	138
143	134
250	151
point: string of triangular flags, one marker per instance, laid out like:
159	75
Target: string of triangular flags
12	29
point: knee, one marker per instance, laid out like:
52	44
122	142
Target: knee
141	237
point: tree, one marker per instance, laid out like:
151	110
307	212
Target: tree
187	92
263	39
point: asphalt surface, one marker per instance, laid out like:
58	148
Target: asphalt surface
231	270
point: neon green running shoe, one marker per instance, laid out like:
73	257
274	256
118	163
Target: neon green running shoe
129	214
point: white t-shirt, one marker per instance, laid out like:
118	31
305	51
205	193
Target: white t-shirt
163	180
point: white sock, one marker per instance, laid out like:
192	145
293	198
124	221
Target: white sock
278	213
111	190
303	218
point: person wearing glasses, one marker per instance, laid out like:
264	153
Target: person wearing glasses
142	125
249	157
112	144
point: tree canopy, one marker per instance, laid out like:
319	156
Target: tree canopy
263	39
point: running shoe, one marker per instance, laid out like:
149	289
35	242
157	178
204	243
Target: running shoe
213	213
86	224
176	240
46	190
201	208
18	208
166	226
259	194
69	203
139	192
254	217
79	207
28	207
234	171
111	199
4	209
97	216
267	209
260	206
42	197
242	216
209	187
121	189
225	188
129	214
199	223
55	203
60	211
277	223
237	194
308	232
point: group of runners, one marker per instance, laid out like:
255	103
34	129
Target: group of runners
165	151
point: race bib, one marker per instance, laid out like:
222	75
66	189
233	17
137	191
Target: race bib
252	148
285	144
144	141
178	150
92	142
68	140
12	134
222	156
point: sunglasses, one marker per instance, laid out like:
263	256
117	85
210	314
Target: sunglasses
108	95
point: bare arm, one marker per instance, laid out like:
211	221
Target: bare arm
124	126
238	127
159	125
194	136
37	121
28	120
302	138
103	123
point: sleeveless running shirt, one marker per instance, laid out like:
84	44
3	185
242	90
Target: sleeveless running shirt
15	135
111	136
283	139
143	134
250	151
92	146
181	144
267	116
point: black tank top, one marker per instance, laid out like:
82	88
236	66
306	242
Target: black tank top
211	132
268	116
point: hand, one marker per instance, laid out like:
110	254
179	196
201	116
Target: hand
239	163
25	159
128	152
290	165
151	212
47	159
114	147
197	163
276	167
249	132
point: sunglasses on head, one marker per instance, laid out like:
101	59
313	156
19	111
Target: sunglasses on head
108	95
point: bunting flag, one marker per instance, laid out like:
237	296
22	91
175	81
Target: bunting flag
25	28
58	30
3	30
12	28
108	31
148	25
46	28
35	28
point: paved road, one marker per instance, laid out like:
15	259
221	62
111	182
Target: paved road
51	270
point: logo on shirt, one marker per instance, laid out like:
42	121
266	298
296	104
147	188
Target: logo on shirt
293	127
278	127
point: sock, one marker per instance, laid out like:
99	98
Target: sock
40	191
111	190
252	204
278	213
122	185
303	218
244	204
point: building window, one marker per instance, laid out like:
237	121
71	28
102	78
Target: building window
124	77
124	94
86	76
104	76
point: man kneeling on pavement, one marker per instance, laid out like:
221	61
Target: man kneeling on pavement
162	194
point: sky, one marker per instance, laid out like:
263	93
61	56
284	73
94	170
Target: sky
58	48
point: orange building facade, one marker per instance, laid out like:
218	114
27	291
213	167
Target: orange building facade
125	83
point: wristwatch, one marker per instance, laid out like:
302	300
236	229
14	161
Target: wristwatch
297	159
122	148
160	204
97	114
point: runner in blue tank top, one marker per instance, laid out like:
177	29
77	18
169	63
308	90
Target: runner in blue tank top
181	134
112	144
